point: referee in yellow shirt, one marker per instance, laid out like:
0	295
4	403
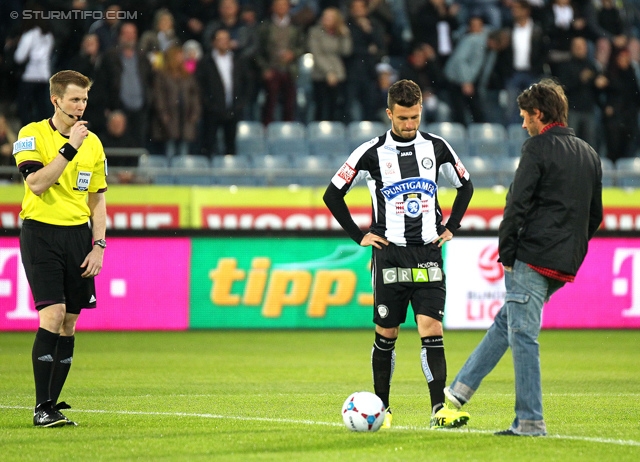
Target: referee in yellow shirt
65	170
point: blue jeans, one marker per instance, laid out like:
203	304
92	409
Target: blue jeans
517	325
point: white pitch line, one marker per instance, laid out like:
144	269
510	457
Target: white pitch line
588	439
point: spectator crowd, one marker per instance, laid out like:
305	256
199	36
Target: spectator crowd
176	76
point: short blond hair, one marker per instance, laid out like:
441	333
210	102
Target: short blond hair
59	82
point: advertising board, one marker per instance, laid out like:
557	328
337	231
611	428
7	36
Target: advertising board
143	285
605	294
280	283
256	282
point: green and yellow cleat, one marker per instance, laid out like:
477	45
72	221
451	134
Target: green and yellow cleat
448	418
388	418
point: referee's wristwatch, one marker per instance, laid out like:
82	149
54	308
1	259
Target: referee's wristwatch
100	242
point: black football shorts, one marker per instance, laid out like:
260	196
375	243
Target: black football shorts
407	274
51	256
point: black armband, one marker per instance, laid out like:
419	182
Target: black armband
68	151
27	168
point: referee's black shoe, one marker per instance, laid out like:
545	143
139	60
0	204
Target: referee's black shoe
46	416
62	405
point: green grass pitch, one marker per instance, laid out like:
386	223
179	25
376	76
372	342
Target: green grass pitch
277	395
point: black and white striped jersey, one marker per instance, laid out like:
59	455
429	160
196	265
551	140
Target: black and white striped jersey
402	178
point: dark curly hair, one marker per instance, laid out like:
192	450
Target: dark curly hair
404	92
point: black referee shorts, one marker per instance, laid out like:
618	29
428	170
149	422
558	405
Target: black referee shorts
51	256
407	274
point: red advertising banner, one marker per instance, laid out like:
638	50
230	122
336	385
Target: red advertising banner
142	207
278	218
118	216
320	219
143	216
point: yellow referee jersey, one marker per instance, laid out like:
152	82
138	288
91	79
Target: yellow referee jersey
65	202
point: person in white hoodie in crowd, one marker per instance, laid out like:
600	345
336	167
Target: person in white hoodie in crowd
34	52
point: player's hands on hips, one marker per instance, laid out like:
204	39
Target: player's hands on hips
374	240
444	237
78	133
93	262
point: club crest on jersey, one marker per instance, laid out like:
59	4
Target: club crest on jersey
427	163
409	186
412	207
24	144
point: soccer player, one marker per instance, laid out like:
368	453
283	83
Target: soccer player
64	169
401	168
553	209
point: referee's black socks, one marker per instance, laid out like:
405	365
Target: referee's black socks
62	364
382	363
434	367
42	357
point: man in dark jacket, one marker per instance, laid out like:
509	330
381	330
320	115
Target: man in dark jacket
525	56
582	82
554	206
222	79
367	35
124	81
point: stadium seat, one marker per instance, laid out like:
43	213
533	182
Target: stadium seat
608	172
313	170
506	169
628	170
152	161
230	170
448	129
488	139
335	162
516	132
514	148
287	138
276	170
250	139
487	131
191	169
454	133
361	132
482	171
155	168
327	139
517	135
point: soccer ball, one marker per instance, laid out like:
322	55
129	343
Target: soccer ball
363	412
